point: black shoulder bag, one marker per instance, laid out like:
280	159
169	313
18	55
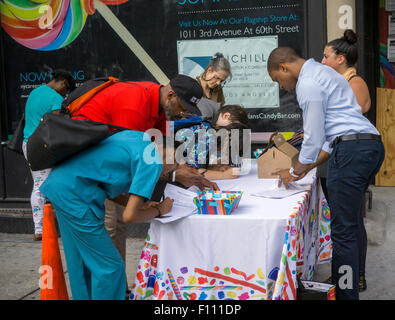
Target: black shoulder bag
59	137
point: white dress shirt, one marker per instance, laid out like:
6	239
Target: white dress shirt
329	107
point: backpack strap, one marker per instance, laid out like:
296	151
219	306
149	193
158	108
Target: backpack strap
84	93
111	126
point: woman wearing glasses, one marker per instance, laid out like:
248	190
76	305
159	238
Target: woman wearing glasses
214	77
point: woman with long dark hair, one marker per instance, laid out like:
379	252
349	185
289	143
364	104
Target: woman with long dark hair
342	55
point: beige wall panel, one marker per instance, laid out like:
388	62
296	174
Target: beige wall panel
385	123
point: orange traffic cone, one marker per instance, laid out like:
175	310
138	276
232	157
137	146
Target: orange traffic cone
52	282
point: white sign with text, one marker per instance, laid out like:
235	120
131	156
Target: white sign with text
250	84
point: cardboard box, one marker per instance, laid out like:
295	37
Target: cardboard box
281	155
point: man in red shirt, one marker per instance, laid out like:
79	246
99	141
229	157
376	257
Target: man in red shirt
141	106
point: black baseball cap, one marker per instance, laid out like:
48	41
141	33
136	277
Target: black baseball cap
189	91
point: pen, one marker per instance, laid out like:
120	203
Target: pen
163	216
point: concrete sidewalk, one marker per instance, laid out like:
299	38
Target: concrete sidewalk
20	256
380	260
20	260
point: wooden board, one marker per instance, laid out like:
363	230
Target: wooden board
385	123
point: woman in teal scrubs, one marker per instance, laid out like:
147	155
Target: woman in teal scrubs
126	162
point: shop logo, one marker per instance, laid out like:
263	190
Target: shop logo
194	66
195	100
46	76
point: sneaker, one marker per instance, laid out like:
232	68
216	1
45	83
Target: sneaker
37	237
362	283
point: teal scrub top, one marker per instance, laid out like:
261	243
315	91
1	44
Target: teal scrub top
124	162
40	101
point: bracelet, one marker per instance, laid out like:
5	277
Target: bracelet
159	214
202	173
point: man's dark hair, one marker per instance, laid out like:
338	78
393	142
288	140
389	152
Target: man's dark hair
60	74
281	55
239	118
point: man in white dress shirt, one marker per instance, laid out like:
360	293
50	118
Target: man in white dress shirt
333	127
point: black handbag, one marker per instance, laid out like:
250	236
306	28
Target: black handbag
15	144
59	137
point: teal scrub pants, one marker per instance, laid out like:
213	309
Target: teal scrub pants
96	269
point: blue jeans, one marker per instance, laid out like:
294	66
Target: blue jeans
352	167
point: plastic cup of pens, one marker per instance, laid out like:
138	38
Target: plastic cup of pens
217	202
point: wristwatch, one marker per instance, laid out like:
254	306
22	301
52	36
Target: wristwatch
172	176
292	173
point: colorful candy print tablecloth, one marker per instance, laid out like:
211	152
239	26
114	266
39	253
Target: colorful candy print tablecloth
254	253
324	254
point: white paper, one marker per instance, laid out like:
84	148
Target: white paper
272	191
183	204
275	192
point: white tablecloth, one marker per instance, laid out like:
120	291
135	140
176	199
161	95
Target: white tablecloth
254	253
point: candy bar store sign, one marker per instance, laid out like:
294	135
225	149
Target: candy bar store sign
245	31
250	84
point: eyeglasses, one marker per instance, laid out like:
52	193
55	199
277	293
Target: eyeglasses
222	82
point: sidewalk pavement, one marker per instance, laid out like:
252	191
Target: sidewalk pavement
20	260
20	256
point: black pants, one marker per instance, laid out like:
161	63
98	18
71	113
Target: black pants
362	235
352	167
